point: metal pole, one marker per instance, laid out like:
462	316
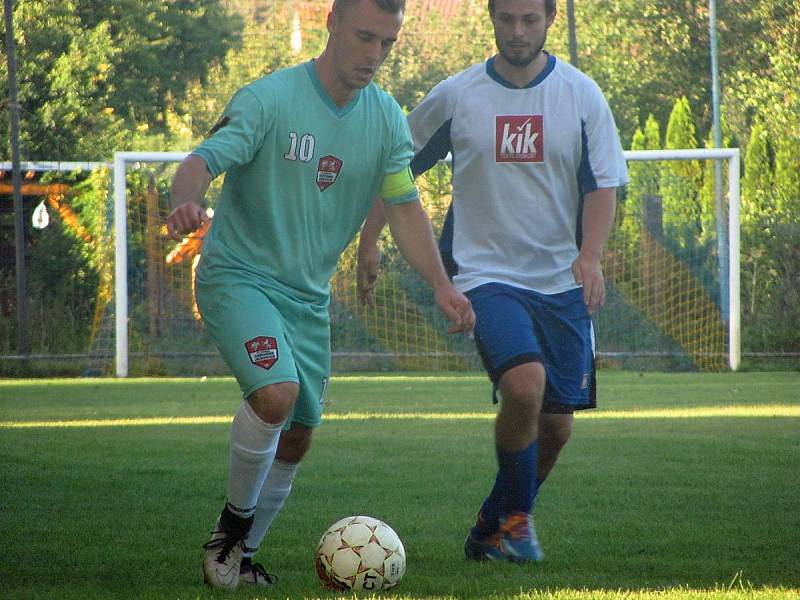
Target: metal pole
23	331
735	322
719	203
573	36
121	160
120	264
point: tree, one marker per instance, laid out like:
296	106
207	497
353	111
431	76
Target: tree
644	179
644	54
92	72
424	54
644	175
681	179
758	181
265	48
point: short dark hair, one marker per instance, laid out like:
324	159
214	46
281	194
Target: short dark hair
549	6
390	6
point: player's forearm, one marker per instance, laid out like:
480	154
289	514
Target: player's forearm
191	181
599	208
373	225
413	235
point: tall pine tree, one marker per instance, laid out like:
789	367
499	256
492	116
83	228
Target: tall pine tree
681	180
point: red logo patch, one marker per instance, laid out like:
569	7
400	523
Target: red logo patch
328	170
519	138
263	351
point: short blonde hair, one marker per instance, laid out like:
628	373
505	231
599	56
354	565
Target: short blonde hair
390	6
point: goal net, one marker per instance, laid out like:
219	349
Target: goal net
671	268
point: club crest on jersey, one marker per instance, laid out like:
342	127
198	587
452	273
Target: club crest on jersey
263	351
328	170
519	138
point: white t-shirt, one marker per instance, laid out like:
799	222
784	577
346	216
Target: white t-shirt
523	158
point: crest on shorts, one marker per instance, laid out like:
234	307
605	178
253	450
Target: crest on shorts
328	170
263	351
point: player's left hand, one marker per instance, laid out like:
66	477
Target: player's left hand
589	273
368	263
457	308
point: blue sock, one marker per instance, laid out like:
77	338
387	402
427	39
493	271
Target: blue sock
490	510
514	488
519	479
537	484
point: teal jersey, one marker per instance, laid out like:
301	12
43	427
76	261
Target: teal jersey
300	177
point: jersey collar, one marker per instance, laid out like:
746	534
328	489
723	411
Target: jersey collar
323	94
548	68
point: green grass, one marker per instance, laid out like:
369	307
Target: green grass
679	486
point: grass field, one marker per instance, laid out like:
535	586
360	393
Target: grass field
679	486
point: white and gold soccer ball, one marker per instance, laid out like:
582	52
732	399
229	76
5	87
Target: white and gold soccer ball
360	553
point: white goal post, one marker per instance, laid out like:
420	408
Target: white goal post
731	155
121	160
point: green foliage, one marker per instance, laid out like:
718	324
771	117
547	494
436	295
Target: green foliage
644	54
770	278
681	180
98	76
644	175
768	89
92	72
787	174
758	180
644	179
266	47
425	53
713	216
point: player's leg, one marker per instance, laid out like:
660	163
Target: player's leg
505	338
249	332
308	329
293	445
517	439
565	330
555	430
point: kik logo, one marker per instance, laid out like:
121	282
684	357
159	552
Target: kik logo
519	138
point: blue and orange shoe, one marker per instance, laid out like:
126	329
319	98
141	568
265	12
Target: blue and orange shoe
482	547
518	540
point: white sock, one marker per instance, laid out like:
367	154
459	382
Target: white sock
252	451
276	489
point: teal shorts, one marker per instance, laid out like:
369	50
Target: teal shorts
267	337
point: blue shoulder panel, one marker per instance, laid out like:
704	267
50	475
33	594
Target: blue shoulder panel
435	150
586	179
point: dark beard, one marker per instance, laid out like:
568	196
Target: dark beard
524	61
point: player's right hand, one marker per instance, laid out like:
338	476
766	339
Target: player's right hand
457	308
185	219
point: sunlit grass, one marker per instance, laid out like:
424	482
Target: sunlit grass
680	486
768	410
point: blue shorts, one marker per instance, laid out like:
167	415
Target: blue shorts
516	326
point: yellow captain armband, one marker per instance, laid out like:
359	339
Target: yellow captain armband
399	187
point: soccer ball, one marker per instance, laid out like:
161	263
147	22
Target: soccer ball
360	553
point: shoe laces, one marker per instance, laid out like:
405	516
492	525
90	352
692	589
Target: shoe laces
259	571
226	541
